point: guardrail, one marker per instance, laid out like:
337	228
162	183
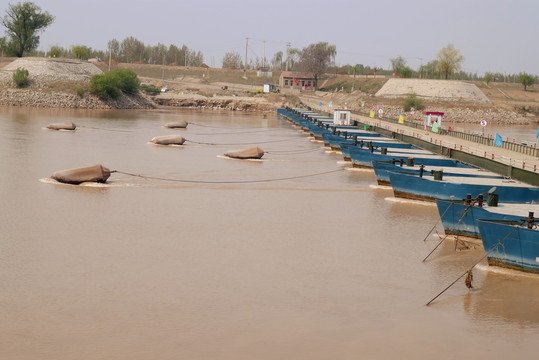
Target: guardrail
513	145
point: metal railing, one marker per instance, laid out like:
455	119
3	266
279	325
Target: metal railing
513	145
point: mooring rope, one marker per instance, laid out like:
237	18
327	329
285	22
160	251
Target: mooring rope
225	182
230	144
453	228
97	128
474	265
288	152
434	227
242	132
219	127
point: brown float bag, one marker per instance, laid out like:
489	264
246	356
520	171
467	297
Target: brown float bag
247	153
168	140
62	126
182	124
95	173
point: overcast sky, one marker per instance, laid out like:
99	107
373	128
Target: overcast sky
492	35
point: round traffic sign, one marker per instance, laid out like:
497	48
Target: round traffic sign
483	123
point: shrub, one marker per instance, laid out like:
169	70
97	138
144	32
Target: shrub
104	86
412	101
80	91
111	84
150	89
20	77
127	80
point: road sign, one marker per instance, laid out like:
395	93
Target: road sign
483	123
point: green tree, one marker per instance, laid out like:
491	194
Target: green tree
156	54
526	80
113	47
449	60
429	70
23	22
232	59
316	58
173	55
81	52
56	51
488	77
195	58
3	45
277	61
400	67
398	64
131	50
292	56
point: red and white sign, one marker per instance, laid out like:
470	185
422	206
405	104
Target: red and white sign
483	123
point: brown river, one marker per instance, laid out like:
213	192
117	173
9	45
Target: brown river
292	257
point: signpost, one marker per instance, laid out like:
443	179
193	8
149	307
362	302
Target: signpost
483	123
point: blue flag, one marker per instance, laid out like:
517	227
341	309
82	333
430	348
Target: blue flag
537	136
498	140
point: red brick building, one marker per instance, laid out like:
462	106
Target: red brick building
297	80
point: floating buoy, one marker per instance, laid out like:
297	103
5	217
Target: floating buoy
95	173
62	126
182	124
247	153
168	140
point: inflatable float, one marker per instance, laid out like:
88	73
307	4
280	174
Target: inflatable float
62	126
182	124
247	153
95	173
168	140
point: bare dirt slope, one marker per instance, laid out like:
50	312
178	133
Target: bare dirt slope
446	90
60	83
45	70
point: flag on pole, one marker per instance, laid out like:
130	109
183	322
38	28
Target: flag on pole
537	136
401	119
498	141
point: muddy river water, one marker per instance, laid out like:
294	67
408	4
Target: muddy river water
292	257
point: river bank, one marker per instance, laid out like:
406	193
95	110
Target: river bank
57	83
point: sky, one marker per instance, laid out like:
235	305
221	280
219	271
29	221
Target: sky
492	35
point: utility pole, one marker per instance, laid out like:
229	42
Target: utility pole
287	54
163	74
110	55
264	58
245	67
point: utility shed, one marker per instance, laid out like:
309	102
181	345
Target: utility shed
433	116
269	88
342	117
